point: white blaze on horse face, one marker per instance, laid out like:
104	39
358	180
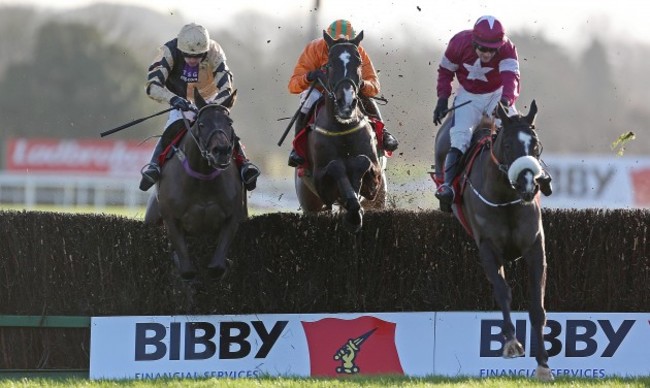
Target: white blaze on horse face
345	58
526	140
348	95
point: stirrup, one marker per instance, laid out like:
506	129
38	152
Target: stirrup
246	168
148	169
444	197
295	160
147	180
392	143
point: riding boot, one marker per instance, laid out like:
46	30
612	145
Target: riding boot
151	172
248	171
445	192
296	160
544	182
389	141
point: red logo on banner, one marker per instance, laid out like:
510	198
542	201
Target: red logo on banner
641	187
365	345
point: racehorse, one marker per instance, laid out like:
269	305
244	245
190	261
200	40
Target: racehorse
343	164
200	191
499	207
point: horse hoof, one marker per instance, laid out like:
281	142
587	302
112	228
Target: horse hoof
354	221
219	272
543	373
188	274
513	349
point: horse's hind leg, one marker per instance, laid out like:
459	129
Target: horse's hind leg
218	264
536	262
503	296
152	214
185	266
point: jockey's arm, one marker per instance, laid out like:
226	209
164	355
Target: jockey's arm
157	76
370	86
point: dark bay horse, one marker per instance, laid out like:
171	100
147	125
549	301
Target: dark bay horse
200	191
500	208
343	165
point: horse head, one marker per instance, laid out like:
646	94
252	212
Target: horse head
517	149
213	130
344	76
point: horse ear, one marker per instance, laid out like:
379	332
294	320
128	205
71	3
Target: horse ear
328	39
198	99
502	113
230	101
530	117
358	39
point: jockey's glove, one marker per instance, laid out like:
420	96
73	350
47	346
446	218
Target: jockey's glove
316	74
440	111
181	103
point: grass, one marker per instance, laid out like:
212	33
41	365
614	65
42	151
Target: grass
357	381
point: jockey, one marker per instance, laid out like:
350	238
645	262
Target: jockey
191	60
310	66
485	62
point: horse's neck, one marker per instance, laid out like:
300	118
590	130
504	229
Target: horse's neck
494	183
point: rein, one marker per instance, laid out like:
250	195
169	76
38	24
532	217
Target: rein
502	167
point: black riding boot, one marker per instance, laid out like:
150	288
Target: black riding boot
544	182
151	172
445	193
248	171
296	160
388	140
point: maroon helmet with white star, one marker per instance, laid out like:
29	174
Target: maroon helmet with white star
488	32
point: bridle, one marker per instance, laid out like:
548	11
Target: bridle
504	167
203	145
329	89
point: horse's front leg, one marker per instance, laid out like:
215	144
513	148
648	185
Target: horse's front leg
336	173
218	264
181	253
357	168
503	296
536	262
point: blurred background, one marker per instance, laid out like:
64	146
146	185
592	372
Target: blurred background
70	70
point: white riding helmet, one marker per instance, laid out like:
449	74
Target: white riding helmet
193	39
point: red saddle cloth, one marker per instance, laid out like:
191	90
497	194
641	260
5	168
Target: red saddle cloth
459	183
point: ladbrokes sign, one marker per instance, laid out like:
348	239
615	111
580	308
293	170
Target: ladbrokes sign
96	157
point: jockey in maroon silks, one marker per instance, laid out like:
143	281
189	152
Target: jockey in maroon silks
486	65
